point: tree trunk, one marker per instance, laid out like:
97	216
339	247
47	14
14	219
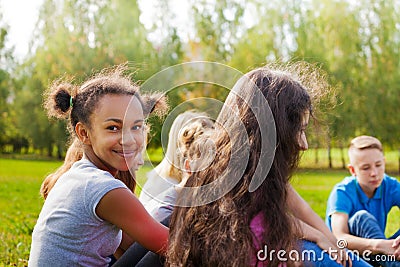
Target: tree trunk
49	150
59	150
329	155
399	161
342	156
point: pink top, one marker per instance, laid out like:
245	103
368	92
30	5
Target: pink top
258	226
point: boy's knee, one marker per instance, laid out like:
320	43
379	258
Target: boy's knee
364	224
359	219
362	215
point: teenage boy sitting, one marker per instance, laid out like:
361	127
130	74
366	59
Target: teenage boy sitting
358	206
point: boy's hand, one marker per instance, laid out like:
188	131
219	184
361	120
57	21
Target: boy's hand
338	253
388	247
396	246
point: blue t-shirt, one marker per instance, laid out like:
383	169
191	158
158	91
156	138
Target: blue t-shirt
348	197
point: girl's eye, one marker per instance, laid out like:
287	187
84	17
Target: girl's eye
112	128
137	127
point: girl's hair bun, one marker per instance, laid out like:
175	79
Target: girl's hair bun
58	100
155	104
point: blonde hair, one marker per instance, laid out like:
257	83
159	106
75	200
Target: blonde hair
365	142
195	142
361	143
171	165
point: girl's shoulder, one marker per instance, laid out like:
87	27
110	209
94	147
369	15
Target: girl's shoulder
86	173
86	168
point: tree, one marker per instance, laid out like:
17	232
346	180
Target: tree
217	26
78	37
7	64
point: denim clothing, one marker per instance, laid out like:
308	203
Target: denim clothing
314	256
363	224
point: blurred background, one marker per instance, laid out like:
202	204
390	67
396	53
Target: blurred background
357	43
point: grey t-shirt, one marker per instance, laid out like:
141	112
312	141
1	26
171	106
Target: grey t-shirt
154	186
163	204
68	231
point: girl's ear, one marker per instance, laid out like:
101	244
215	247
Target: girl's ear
82	133
187	166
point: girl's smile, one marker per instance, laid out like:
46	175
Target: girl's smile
115	136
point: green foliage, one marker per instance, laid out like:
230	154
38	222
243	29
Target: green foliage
216	27
355	42
9	133
74	39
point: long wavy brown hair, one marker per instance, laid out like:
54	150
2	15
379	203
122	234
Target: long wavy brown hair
256	136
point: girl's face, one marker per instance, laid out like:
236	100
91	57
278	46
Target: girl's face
302	135
116	135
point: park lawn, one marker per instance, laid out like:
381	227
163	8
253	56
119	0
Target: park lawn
20	202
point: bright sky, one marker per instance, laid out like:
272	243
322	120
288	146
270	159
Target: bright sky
21	16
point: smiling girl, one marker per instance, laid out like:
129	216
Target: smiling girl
82	218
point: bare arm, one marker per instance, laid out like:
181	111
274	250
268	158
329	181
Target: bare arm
126	242
312	234
302	210
121	208
340	229
313	227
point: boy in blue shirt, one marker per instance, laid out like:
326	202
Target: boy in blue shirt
358	206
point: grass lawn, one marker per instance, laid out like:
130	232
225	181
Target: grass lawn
20	202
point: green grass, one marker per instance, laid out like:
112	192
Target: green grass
20	202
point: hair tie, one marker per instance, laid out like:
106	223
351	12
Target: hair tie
71	103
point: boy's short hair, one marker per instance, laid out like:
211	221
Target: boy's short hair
365	142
